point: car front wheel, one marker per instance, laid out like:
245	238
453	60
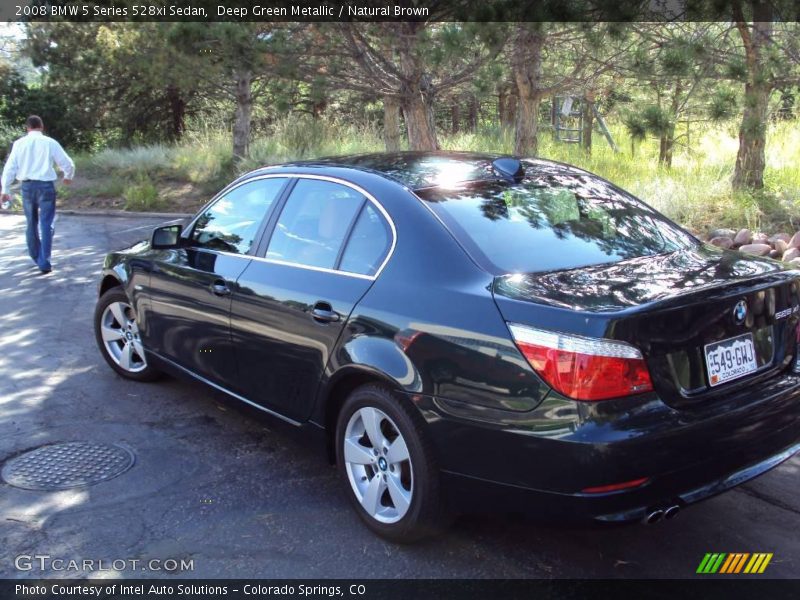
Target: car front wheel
388	465
117	335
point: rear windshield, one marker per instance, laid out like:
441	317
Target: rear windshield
551	223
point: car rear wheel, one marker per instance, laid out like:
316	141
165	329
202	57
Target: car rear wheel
388	466
117	335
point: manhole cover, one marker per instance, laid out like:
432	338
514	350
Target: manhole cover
67	465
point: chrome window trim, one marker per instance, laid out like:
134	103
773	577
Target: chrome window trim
329	178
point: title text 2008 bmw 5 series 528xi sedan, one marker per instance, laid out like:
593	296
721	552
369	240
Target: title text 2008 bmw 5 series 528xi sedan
472	332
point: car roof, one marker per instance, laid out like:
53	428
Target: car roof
418	170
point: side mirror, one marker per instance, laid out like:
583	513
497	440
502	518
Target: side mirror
166	237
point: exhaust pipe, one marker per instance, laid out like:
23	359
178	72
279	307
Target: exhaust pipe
653	517
671	512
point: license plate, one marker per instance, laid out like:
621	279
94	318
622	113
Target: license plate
730	359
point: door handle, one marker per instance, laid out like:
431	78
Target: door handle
220	288
324	313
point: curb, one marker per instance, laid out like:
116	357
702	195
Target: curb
108	213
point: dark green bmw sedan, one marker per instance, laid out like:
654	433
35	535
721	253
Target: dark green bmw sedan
472	332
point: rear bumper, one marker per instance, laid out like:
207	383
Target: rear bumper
467	494
687	455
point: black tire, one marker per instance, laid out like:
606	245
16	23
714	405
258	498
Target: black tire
140	371
424	516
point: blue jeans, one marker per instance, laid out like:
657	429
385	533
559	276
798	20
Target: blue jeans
39	202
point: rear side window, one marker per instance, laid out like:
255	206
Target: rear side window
368	243
314	223
232	222
552	223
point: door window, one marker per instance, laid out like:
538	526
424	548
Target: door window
314	223
232	222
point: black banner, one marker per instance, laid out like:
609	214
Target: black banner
384	10
383	589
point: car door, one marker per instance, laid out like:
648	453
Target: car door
190	287
324	250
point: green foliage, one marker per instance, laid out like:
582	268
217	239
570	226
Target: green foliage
142	196
676	60
150	161
18	101
8	134
722	104
636	126
656	120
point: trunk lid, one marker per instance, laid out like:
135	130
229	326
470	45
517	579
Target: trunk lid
675	308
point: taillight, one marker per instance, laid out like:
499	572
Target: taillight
583	368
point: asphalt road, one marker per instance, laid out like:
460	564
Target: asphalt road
242	496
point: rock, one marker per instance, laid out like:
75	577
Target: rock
744	236
795	241
795	262
790	254
722	242
780	246
780	236
723	233
757	249
775	254
760	238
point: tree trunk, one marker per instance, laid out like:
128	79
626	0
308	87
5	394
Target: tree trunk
668	140
391	123
750	159
244	113
177	111
511	111
666	144
588	122
472	115
318	107
418	112
526	64
455	116
526	133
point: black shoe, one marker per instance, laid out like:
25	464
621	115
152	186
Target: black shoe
45	271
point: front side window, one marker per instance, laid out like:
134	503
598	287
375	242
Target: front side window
314	223
232	222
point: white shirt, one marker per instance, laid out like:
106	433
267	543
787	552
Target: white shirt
32	157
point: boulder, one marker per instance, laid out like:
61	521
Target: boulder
780	246
757	249
795	262
790	254
760	238
722	242
745	236
775	254
780	236
795	241
723	233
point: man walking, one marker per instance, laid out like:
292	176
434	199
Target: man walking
31	161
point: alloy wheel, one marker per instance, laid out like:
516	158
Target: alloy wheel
121	337
378	465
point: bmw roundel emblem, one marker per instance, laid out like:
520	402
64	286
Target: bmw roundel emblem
740	312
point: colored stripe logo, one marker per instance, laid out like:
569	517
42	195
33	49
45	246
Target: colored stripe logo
734	563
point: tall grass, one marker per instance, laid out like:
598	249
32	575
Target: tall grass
696	191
